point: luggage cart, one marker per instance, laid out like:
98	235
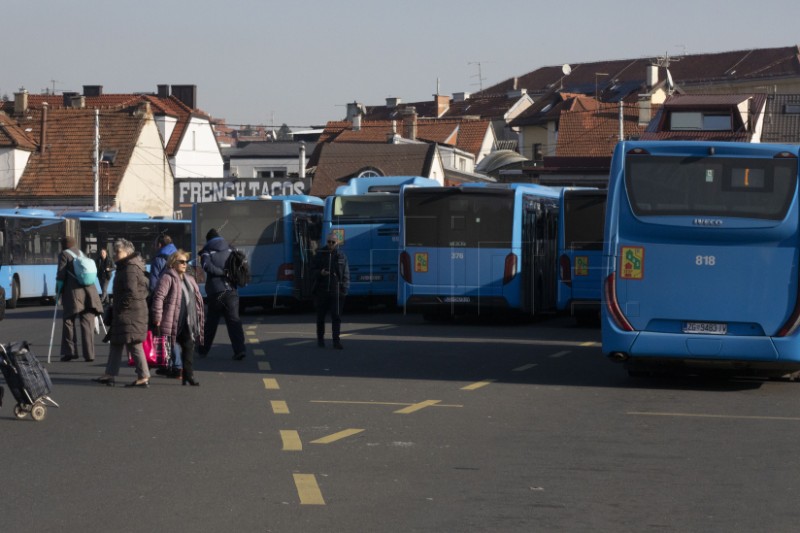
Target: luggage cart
27	380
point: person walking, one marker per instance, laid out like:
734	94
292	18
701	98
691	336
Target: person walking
158	265
129	315
105	268
177	310
80	302
331	273
222	296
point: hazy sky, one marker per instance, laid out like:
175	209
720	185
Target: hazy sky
299	63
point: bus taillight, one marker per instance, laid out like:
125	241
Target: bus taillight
791	325
510	269
286	272
612	305
566	270
405	267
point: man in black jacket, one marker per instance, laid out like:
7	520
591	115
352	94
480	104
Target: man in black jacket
331	272
223	298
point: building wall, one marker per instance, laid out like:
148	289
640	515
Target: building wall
12	165
249	167
198	154
147	185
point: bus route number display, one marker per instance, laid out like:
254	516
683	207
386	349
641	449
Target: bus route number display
632	258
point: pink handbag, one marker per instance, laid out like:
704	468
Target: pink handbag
156	350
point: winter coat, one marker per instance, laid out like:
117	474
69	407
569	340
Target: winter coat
129	319
75	298
105	268
335	262
167	304
212	258
159	263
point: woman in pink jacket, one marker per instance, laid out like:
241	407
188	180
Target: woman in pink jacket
177	310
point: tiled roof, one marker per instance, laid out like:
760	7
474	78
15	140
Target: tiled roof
338	162
549	107
483	105
782	124
383	112
464	134
595	133
64	168
12	136
629	74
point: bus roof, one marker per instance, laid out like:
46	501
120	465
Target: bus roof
383	184
529	188
695	148
299	198
27	213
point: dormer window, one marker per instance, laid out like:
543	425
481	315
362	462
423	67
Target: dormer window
700	121
109	156
792	109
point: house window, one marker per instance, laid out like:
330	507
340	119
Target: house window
699	121
792	109
538	155
271	173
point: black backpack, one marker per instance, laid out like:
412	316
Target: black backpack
237	269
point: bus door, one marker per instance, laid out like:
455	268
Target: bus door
540	251
306	237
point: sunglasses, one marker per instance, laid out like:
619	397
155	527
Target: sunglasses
182	261
332	242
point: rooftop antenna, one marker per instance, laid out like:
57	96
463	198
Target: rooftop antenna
664	61
480	73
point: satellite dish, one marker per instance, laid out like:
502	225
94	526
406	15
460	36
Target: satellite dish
670	83
566	69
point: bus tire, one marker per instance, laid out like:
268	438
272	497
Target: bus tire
14	300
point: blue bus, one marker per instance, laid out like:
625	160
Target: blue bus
365	214
478	248
30	241
581	217
279	234
702	257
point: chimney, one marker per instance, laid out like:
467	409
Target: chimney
67	98
354	109
410	123
652	76
302	172
20	101
43	134
442	104
77	102
163	91
391	103
92	90
186	94
460	97
143	110
645	109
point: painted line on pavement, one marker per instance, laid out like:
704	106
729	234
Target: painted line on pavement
250	332
264	366
382	403
590	343
479	384
559	354
253	341
523	368
291	440
279	407
701	415
308	489
259	352
337	436
271	384
416	407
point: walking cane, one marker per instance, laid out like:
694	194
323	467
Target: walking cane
53	329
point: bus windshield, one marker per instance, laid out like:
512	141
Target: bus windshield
691	186
243	222
451	218
365	209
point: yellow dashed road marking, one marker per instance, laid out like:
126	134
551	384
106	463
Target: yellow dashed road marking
250	332
523	368
337	436
271	384
253	341
264	366
479	384
279	407
259	351
291	440
308	490
559	354
416	407
590	343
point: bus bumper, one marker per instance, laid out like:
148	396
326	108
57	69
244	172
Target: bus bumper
454	304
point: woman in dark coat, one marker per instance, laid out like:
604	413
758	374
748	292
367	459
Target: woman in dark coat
129	320
178	310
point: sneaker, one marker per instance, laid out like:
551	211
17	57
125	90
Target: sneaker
338	345
239	356
321	343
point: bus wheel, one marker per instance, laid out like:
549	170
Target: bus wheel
12	303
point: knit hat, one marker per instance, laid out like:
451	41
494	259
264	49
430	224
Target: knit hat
212	234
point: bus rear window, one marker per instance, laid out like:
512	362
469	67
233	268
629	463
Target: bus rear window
710	186
452	219
584	217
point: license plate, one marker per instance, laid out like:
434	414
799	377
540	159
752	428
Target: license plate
370	277
456	299
709	328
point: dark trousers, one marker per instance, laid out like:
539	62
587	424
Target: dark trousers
69	343
223	304
333	304
104	290
186	344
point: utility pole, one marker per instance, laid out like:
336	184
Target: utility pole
96	163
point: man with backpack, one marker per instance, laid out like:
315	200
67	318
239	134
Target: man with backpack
223	298
75	284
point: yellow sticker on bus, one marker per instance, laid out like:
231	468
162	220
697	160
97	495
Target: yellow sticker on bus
632	258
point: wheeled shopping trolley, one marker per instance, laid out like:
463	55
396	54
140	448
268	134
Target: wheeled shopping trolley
27	380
